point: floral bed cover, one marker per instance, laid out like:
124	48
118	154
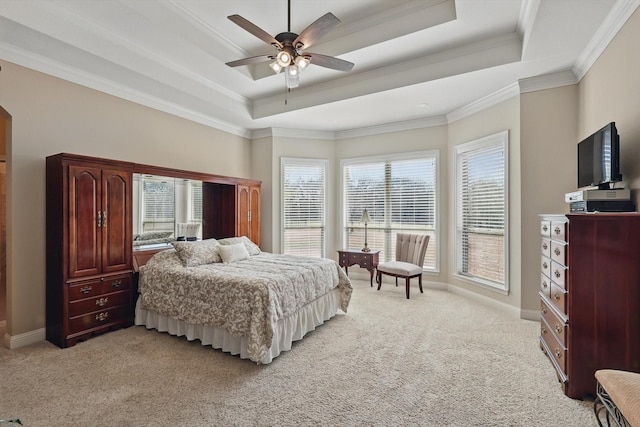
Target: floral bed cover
246	298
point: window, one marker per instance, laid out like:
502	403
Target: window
400	194
481	210
303	206
158	211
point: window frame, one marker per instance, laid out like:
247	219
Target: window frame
489	141
435	154
303	161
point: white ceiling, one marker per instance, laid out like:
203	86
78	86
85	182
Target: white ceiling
415	60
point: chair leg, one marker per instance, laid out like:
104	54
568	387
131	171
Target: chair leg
379	279
420	283
408	280
396	280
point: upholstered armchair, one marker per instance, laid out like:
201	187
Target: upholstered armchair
410	252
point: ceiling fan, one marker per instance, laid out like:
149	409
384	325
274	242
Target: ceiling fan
291	55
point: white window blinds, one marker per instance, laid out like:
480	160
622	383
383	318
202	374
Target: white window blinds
400	195
159	204
303	206
481	212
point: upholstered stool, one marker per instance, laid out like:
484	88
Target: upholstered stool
619	393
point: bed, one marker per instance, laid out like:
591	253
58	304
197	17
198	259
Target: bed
232	296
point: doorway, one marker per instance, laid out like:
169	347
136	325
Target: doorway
5	124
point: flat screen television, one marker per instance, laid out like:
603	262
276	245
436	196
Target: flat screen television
599	158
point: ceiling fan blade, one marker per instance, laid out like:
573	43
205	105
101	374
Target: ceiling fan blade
255	30
251	60
316	31
329	62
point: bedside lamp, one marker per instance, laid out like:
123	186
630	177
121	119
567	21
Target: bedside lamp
366	219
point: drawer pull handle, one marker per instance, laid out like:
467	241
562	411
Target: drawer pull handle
558	353
545	228
558	328
86	289
545	246
557	274
102	301
557	230
544	285
117	283
557	296
102	316
544	330
543	310
545	265
557	251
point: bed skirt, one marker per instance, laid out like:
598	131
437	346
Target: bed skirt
287	330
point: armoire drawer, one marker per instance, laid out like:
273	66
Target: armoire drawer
99	302
98	318
557	351
99	286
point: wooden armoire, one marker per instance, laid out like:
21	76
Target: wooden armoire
89	245
90	277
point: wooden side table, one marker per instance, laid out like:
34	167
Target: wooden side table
368	260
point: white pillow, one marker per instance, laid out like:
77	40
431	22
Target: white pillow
252	248
232	253
197	253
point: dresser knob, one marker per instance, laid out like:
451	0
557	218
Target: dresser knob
556	296
545	265
558	353
558	328
544	285
557	230
557	251
543	310
557	274
545	246
102	316
116	284
102	301
86	289
544	330
545	228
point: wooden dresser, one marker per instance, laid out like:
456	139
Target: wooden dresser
89	244
590	296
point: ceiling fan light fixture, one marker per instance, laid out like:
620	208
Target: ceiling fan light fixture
275	67
283	58
291	77
302	61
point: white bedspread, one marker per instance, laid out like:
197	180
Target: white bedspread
246	298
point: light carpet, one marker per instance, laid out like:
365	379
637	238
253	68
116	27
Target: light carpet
437	359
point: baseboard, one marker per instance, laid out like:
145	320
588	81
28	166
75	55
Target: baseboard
515	311
22	340
530	315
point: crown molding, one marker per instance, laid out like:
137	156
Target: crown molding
46	66
292	133
425	122
548	81
619	14
485	102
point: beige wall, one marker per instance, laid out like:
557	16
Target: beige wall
51	116
610	91
501	117
548	135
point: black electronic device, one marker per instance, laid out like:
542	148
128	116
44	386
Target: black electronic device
602	206
599	158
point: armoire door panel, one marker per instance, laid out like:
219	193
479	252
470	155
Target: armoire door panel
116	220
84	235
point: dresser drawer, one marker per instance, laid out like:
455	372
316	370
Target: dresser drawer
100	302
343	259
558	297
545	285
556	325
545	228
558	252
558	273
556	350
97	319
558	230
546	247
545	266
